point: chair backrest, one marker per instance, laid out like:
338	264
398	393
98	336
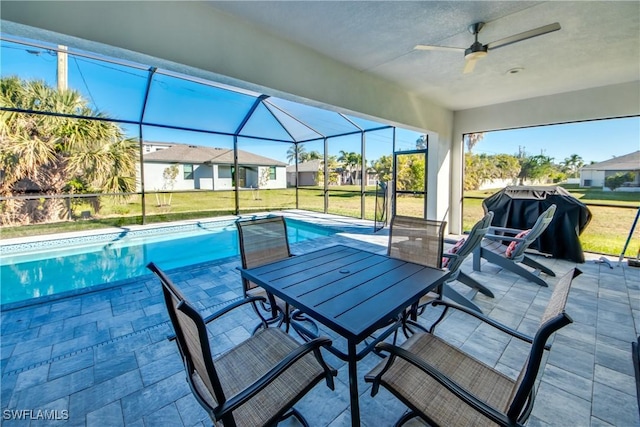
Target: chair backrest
472	241
193	343
416	240
552	320
537	229
262	241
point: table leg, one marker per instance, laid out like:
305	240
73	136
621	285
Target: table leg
353	384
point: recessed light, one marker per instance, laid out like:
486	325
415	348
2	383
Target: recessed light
515	70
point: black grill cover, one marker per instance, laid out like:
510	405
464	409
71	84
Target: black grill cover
519	207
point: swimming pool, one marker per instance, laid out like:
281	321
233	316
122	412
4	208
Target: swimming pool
52	267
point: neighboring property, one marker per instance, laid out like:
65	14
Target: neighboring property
594	175
208	168
150	146
307	173
310	174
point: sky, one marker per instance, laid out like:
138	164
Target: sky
119	91
594	141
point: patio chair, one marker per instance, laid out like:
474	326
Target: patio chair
508	255
421	241
264	240
446	386
453	258
257	382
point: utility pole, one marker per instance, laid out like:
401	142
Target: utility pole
62	68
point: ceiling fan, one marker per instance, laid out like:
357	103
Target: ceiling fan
478	50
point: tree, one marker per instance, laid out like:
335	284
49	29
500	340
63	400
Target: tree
169	175
263	180
352	163
485	168
410	173
538	167
296	151
332	164
311	155
383	168
471	139
49	155
421	142
573	164
616	181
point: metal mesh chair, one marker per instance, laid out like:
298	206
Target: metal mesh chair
255	383
416	240
264	240
443	385
508	255
420	241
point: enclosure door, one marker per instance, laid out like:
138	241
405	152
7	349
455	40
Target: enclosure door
410	183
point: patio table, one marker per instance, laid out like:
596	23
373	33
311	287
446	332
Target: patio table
351	291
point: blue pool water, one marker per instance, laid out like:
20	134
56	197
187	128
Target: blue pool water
53	267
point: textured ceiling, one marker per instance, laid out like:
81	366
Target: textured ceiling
598	45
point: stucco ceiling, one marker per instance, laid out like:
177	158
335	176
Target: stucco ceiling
598	45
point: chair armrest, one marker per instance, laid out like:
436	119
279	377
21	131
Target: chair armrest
312	346
460	392
233	306
226	310
489	321
503	237
493	229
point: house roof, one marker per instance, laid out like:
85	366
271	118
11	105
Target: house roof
309	166
182	153
627	162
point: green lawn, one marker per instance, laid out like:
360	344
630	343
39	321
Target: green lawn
606	233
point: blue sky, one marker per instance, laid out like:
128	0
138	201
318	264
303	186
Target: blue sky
119	90
596	140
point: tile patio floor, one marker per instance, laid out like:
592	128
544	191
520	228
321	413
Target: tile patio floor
103	357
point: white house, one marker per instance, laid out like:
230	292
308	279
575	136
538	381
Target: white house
594	175
209	168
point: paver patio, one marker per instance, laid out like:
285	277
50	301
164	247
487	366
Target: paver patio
103	359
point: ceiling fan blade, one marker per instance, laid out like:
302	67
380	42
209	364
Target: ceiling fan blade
442	48
469	65
523	36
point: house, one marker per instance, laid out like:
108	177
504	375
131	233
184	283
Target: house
594	175
310	174
209	168
307	173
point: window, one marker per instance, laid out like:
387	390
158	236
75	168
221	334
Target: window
272	173
188	171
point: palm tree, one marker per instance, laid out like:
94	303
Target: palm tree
51	155
351	163
472	139
296	152
573	164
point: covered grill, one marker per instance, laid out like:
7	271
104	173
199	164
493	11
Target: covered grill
520	206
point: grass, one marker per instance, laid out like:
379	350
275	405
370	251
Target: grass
613	212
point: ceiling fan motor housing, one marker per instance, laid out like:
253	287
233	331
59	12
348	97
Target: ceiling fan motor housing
475	51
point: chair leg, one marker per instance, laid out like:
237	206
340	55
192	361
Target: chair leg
535	264
406	417
472	283
513	267
455	296
477	257
297	415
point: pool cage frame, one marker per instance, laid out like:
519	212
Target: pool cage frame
260	99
